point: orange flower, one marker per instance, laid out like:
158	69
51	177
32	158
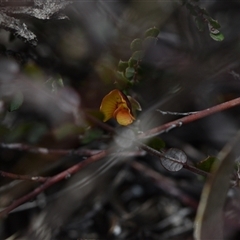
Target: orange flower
116	105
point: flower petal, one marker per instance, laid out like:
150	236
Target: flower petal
110	103
124	116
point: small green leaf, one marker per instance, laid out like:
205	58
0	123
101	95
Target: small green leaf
132	62
122	65
152	32
213	30
134	103
207	164
136	44
214	23
156	143
138	55
149	41
129	73
217	37
16	102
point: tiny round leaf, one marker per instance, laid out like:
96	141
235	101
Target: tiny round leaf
138	55
152	32
217	37
214	23
132	62
174	159
149	41
129	72
136	44
122	65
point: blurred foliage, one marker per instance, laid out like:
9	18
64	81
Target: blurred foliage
58	59
156	143
203	18
130	70
207	163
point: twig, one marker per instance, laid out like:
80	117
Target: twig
152	132
40	150
191	118
101	124
185	165
175	113
23	177
44	179
155	152
52	180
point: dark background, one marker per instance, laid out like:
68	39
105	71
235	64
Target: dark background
80	44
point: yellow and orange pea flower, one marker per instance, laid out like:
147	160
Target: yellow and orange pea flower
116	105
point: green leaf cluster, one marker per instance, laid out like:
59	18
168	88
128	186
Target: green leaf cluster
203	19
30	132
130	70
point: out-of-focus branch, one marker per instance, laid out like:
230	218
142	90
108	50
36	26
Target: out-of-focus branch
45	151
155	131
23	177
166	184
52	180
41	150
185	165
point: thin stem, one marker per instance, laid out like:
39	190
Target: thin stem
191	118
41	150
175	113
196	170
23	177
159	155
99	123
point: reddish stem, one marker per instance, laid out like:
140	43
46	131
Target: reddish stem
52	180
185	165
41	150
23	177
191	118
